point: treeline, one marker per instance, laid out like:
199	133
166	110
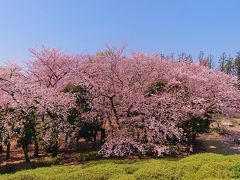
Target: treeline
226	62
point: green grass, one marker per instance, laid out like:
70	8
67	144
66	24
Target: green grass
201	166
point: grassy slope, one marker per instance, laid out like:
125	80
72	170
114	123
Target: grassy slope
201	166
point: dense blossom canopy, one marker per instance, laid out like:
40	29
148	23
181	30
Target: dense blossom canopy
141	100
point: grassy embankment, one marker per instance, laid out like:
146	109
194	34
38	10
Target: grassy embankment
201	166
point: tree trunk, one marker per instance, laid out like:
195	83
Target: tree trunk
94	139
77	140
66	141
36	149
55	150
103	136
1	159
8	150
1	151
190	151
1	148
25	151
193	138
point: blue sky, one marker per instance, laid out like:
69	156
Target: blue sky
79	26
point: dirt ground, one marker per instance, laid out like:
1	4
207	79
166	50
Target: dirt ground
17	157
217	143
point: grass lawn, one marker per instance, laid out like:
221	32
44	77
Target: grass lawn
200	166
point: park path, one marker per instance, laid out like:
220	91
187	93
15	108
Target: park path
221	144
215	143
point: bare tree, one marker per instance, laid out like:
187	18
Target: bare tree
222	61
210	61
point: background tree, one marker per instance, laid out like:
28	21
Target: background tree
237	64
210	60
222	61
227	64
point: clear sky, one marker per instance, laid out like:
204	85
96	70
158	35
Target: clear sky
86	26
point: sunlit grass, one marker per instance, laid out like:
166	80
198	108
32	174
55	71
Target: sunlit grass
201	166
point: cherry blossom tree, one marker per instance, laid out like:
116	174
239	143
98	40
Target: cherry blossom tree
31	103
50	71
17	108
144	100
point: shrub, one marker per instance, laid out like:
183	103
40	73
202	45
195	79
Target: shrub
57	160
236	172
25	176
123	177
156	87
87	156
101	171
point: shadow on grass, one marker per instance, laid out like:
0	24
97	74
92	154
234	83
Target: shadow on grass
12	168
